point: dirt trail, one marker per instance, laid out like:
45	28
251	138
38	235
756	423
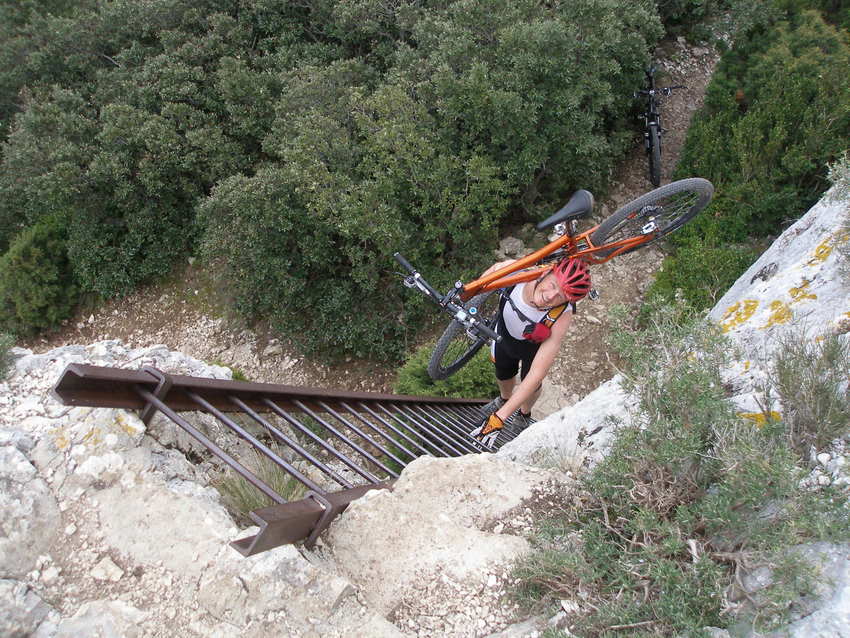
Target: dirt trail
169	316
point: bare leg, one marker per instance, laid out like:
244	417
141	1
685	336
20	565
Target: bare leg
506	388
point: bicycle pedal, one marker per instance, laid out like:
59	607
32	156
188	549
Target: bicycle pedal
593	295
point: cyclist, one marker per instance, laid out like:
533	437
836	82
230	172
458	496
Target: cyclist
533	319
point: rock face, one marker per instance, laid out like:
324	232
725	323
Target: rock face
106	532
434	540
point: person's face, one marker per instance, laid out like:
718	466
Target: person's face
547	293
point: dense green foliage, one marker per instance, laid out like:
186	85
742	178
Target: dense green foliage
476	379
688	494
36	287
6	343
775	115
301	145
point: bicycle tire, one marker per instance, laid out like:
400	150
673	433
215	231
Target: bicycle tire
669	207
455	348
654	156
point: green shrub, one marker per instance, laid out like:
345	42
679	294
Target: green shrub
774	119
6	343
37	290
475	380
688	494
810	380
701	270
680	16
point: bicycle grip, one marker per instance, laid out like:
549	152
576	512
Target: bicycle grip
404	263
488	332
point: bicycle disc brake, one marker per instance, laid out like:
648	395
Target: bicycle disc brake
650	226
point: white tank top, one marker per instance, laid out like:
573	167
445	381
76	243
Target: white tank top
513	322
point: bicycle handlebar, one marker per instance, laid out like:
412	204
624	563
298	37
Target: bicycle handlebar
664	90
458	312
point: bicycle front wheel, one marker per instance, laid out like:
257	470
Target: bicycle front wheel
655	214
655	155
455	348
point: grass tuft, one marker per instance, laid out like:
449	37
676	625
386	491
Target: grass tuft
240	497
810	379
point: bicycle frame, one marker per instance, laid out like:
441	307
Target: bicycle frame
652	115
522	270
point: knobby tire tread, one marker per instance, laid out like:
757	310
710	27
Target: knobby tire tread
654	156
675	195
439	369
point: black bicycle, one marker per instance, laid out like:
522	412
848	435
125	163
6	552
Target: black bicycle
652	122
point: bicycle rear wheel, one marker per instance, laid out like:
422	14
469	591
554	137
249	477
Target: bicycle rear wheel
455	348
656	213
655	155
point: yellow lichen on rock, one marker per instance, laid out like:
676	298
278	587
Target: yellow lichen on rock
738	313
760	418
800	293
131	427
780	313
93	437
60	438
824	249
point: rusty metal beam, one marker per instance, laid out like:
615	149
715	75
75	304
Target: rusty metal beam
392	428
95	386
295	521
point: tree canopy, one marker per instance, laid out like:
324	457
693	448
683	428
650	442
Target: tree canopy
299	144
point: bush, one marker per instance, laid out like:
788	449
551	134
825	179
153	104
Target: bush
701	271
774	119
6	343
810	378
37	290
682	15
475	380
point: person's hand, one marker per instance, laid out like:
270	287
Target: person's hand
488	430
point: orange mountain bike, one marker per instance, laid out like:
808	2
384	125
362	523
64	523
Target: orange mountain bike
474	306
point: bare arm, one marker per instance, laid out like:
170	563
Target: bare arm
543	361
496	266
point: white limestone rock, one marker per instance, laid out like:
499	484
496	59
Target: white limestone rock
30	518
437	533
23	612
105	619
577	436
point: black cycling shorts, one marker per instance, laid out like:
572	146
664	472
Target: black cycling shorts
511	354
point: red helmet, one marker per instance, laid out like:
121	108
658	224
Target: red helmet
573	276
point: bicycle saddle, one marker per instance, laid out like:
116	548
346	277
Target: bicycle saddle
580	205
